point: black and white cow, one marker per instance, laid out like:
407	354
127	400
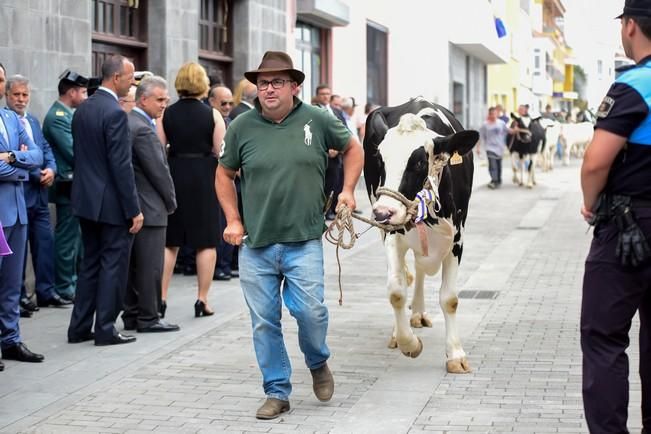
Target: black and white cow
421	151
524	146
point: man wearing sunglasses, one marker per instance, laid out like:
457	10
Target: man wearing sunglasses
221	99
281	149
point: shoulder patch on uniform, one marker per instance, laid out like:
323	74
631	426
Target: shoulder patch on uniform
60	113
605	107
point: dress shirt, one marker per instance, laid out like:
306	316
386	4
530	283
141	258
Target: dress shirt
142	112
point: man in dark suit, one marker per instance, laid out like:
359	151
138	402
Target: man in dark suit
334	175
104	198
57	129
246	92
157	201
39	229
18	155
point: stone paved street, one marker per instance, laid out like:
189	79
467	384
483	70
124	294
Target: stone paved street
526	247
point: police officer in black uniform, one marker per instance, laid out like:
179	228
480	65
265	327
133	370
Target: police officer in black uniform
616	184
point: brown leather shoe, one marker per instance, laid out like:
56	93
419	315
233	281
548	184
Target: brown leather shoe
322	383
272	408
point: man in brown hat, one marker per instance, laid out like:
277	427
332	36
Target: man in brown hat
281	149
616	184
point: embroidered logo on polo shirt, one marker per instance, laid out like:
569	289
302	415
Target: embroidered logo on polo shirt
605	107
308	133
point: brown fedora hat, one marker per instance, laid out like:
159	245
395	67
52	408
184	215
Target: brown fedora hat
276	61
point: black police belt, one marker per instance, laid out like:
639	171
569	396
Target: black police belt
632	246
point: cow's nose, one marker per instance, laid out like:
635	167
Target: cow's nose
382	215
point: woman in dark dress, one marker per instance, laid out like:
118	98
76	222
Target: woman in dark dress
194	134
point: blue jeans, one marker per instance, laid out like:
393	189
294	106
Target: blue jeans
494	167
299	267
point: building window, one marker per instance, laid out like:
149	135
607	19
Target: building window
119	27
215	47
457	101
311	56
376	64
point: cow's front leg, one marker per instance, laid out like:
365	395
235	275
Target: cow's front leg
456	357
514	166
409	344
531	173
419	317
566	152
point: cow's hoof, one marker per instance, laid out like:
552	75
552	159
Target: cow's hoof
530	186
393	343
417	351
419	320
459	366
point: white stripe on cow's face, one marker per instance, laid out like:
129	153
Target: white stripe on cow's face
396	148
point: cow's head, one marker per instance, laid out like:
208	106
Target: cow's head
410	153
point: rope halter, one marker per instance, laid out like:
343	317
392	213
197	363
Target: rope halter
427	201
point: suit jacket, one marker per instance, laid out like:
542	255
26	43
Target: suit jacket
153	180
238	110
35	193
103	188
338	113
12	176
57	130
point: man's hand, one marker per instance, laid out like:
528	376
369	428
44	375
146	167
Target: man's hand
588	215
47	177
332	153
137	222
346	198
234	233
4	156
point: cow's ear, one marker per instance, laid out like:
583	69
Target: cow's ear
461	142
377	126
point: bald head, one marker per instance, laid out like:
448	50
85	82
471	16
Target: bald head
221	99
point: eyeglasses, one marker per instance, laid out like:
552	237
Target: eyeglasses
225	103
276	83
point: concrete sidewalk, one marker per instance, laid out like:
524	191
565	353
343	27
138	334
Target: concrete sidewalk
518	316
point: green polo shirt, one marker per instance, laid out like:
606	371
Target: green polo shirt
282	171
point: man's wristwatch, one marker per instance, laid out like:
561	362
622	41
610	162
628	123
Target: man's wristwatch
12	157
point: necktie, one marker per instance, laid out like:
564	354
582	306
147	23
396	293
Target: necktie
27	126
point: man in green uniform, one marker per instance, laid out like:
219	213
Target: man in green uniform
57	130
281	150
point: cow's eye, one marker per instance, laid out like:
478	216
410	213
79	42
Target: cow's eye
420	165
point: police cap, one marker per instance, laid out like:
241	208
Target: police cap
637	8
74	78
93	84
138	76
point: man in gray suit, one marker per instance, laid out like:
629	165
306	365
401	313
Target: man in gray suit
157	200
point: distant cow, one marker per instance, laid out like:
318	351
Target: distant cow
524	146
574	139
418	153
548	148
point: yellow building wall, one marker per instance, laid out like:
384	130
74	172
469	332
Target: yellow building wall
503	79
